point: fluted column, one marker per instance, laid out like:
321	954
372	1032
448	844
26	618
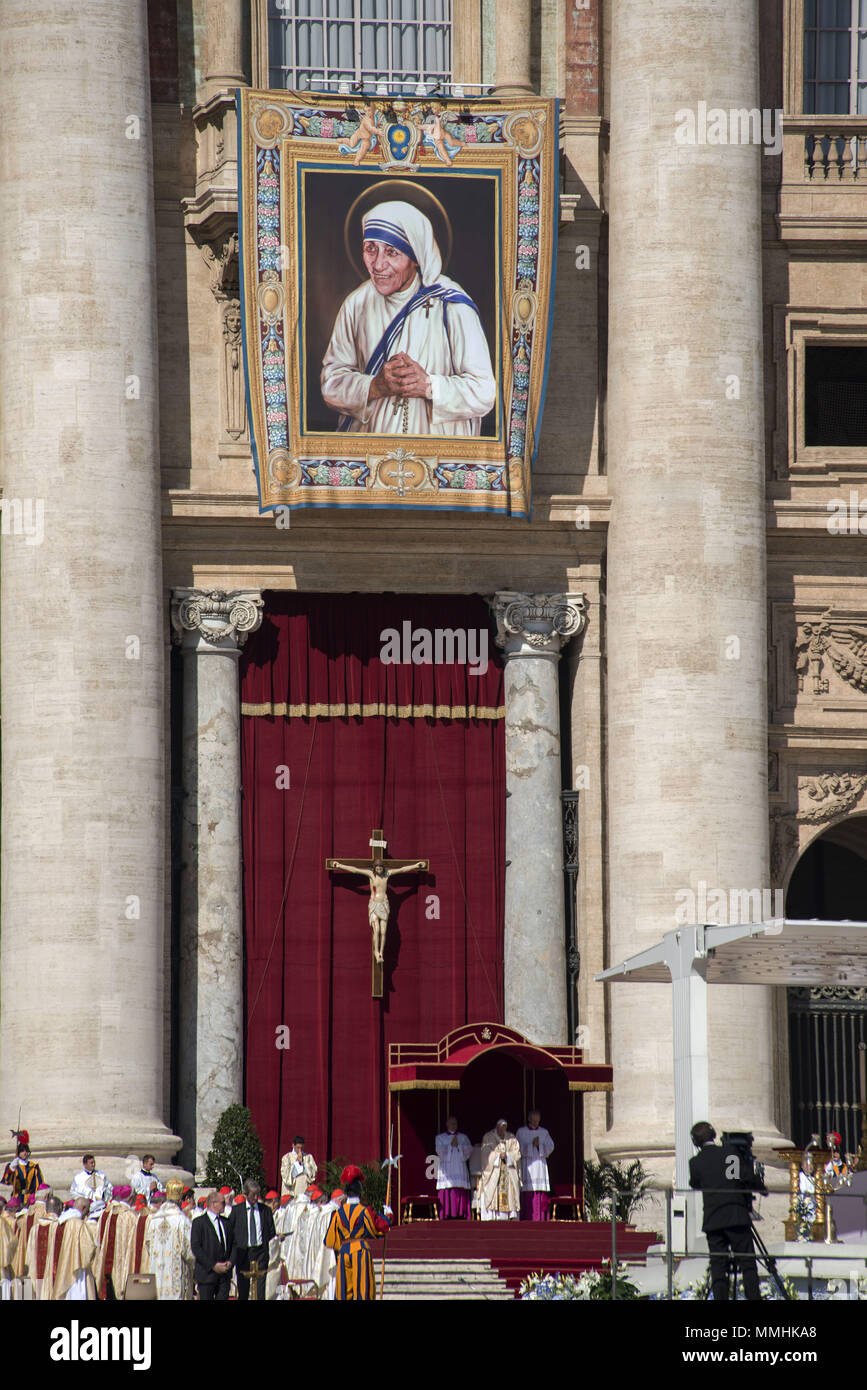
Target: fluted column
513	23
83	874
531	630
687	717
211	629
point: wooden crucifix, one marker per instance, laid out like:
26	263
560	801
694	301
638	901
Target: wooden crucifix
377	870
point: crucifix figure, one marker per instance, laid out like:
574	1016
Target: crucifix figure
378	870
254	1274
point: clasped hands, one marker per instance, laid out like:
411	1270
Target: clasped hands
399	376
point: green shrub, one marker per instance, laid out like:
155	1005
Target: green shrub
237	1149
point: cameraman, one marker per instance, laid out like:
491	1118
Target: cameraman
716	1171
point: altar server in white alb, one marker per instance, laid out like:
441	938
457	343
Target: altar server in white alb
408	354
93	1185
536	1147
453	1176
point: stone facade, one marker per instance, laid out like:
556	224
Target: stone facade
676	515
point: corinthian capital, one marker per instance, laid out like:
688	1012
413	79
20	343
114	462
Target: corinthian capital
537	624
214	621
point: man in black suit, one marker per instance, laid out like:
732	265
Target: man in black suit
212	1246
251	1229
716	1171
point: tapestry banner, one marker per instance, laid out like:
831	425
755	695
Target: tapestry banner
397	266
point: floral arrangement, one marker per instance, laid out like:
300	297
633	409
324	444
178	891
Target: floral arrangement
591	1286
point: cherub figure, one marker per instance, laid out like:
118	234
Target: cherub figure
365	138
435	137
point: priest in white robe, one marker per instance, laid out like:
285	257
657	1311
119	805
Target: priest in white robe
299	1249
168	1253
92	1185
143	1180
297	1169
408	354
324	1270
500	1183
536	1147
453	1178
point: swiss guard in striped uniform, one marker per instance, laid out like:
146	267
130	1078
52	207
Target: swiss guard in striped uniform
23	1174
352	1227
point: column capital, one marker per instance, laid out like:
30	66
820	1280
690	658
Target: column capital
537	624
215	620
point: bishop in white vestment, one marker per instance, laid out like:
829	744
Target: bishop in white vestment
408	354
536	1146
453	1177
168	1253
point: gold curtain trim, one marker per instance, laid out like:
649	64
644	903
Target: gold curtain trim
389	711
424	1085
591	1085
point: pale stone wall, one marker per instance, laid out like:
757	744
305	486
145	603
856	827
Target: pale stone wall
213	537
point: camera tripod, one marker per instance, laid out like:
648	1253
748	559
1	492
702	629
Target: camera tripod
762	1257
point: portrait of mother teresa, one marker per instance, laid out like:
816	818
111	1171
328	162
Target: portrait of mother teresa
408	354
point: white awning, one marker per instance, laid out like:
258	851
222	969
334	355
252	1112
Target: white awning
783	952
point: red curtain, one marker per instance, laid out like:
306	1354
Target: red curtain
435	783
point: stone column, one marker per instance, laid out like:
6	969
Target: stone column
83	834
687	652
513	21
211	628
531	630
224	50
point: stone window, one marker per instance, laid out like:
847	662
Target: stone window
835	396
835	57
338	45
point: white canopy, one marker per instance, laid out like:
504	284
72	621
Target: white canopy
779	952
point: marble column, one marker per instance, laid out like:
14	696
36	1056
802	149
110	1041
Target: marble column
211	629
686	601
531	630
83	833
513	21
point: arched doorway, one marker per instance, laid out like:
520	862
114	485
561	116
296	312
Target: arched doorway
826	1023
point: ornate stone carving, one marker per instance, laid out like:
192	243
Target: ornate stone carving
221	257
843	995
219	620
773	771
234	395
831	794
784	843
841	644
541	622
822	798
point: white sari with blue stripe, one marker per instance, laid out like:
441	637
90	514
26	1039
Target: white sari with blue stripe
438	326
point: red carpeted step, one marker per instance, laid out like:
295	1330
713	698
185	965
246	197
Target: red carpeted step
519	1248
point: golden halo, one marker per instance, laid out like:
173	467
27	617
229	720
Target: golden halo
405	191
